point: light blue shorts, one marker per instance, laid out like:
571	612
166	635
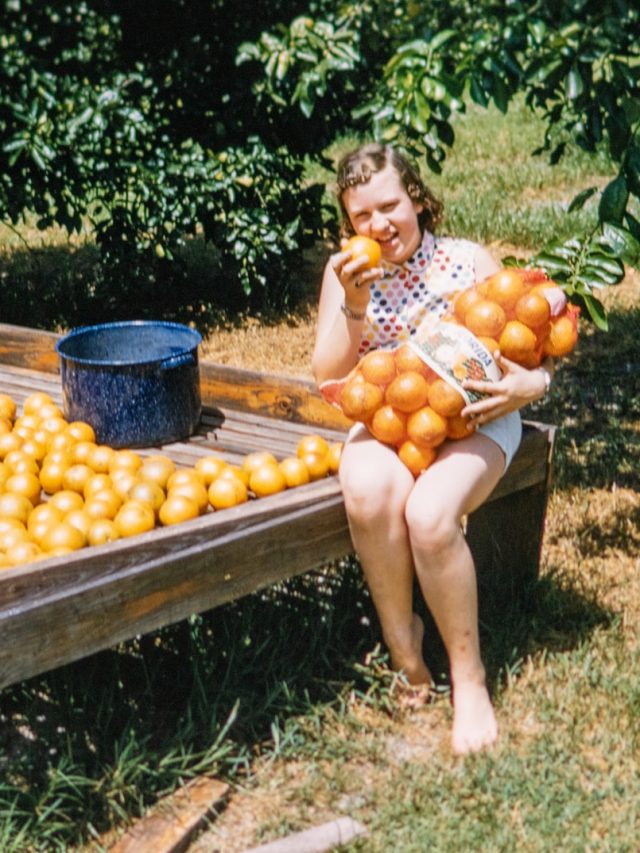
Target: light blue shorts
506	432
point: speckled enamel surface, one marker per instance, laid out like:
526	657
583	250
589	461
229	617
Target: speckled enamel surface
137	383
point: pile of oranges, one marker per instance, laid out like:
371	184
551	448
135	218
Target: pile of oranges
407	405
61	491
404	403
510	312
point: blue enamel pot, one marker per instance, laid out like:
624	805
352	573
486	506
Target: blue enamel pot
136	382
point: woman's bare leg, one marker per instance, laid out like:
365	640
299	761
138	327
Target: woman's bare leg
376	485
459	481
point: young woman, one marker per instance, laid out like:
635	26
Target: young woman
404	528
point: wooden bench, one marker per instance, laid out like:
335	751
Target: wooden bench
59	610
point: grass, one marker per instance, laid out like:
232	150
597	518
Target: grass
307	730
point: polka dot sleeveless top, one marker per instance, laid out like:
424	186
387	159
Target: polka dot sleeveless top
407	294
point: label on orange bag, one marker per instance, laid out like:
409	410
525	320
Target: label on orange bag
455	355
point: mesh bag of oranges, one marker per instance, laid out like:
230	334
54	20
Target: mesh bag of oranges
411	397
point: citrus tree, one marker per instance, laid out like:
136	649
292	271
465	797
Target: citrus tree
204	116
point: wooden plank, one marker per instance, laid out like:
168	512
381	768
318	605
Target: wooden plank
172	822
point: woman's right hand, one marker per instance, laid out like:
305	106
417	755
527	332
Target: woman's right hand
355	277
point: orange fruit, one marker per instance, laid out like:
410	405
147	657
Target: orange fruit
333	457
533	310
104	504
178	508
44	515
194	490
378	367
17	461
457	427
34	448
123	479
445	399
389	425
407	392
426	428
64	535
97	483
24	483
75	477
102	530
406	358
485	317
53	424
9	441
51	476
12	536
156	469
134	517
79	519
257	459
148	492
31	422
505	287
295	471
464	300
227	491
312	444
417	459
234	472
51	410
317	464
267	479
126	458
184	475
23	552
364	247
359	399
34	402
81	450
100	458
210	467
517	341
8	407
80	431
5	425
66	501
16	506
561	338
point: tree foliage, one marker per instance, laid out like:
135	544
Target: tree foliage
204	115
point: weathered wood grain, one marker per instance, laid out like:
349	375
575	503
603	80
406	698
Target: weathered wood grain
55	611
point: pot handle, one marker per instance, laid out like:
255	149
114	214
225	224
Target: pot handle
184	359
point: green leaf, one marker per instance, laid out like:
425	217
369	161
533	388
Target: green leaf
623	243
614	200
579	201
596	310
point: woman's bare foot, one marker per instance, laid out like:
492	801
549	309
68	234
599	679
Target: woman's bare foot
409	661
474	721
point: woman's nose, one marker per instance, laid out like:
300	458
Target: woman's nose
378	222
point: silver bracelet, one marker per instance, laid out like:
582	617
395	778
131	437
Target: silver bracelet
352	315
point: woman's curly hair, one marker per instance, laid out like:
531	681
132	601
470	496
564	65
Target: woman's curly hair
357	166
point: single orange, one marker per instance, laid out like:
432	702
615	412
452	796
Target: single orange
426	428
34	448
505	287
16	506
457	427
295	471
417	459
24	552
359	399
227	491
267	479
157	469
485	317
66	501
464	300
24	483
102	531
8	407
378	367
194	490
51	476
125	458
75	477
64	535
317	464
389	425
210	467
407	392
517	341
445	399
178	508
134	517
406	358
561	339
533	310
364	247
312	444
12	536
150	493
81	431
9	441
100	458
81	451
257	459
34	402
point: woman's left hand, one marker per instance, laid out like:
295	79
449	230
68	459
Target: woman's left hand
517	387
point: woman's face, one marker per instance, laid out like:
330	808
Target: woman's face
382	209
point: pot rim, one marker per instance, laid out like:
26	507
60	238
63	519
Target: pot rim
81	331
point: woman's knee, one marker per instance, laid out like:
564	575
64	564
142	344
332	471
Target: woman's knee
432	525
371	493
